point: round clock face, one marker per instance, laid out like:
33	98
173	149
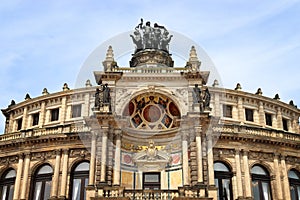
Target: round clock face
152	112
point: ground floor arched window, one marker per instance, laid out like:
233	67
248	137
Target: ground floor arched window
7	183
261	187
79	180
294	180
223	177
41	183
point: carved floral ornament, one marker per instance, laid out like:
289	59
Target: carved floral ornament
152	112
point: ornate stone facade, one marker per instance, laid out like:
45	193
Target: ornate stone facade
201	137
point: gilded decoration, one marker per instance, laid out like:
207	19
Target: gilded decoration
152	112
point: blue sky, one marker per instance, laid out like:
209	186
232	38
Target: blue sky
45	43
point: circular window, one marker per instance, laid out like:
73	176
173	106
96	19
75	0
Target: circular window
152	112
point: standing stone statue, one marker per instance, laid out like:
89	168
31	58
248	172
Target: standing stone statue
106	94
207	97
197	96
98	98
147	35
137	40
165	41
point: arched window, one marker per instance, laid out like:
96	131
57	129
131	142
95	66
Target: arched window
223	177
41	183
294	179
79	180
260	183
7	182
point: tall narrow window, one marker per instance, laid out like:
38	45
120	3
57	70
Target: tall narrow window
249	114
35	119
54	114
294	179
41	183
268	119
223	177
227	111
260	183
7	183
285	124
76	111
19	124
79	180
151	181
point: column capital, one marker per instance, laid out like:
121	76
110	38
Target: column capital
282	157
245	152
237	151
57	152
185	134
198	130
66	151
118	133
27	154
21	156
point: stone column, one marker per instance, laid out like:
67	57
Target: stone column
24	120
247	180
279	119
185	159
199	154
238	173
241	110
64	176
278	179
25	176
117	165
55	178
210	159
261	111
42	114
103	154
86	105
63	110
93	160
285	179
18	177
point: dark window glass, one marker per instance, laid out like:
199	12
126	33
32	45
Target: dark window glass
223	177
54	114
268	119
151	180
19	124
227	111
285	124
35	119
249	114
294	180
79	180
261	187
7	183
41	183
76	111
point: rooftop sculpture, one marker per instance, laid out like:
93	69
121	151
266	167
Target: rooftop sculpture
147	37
